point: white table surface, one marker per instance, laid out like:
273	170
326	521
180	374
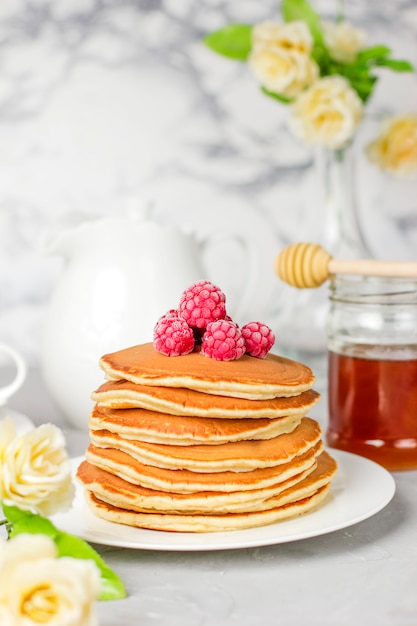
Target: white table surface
363	575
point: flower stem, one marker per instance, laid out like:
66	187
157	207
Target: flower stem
8	525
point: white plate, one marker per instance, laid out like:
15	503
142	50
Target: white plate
360	489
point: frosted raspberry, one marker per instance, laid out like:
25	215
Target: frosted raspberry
169	314
259	339
202	303
172	336
223	341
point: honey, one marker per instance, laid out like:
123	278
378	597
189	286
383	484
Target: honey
373	409
372	375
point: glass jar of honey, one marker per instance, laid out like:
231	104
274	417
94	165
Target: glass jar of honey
372	375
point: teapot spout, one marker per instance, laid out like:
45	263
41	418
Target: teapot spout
76	234
61	239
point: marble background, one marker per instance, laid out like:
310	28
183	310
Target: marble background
107	105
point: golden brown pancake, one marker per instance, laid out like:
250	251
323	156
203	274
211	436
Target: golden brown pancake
205	523
154	427
193	444
121	494
247	377
184	481
180	401
125	495
240	456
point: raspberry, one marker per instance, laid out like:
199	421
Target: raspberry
202	303
172	336
259	339
169	314
223	341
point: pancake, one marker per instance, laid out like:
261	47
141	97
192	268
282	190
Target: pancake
184	481
205	523
247	377
187	402
153	427
240	456
192	444
122	494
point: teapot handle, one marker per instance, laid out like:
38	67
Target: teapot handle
250	280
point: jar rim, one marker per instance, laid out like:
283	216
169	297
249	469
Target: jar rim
378	289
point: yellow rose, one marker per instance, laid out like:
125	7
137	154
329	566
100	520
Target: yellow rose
38	588
395	150
35	471
327	113
282	71
291	36
343	40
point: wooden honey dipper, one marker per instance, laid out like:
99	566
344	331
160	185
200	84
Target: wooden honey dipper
308	265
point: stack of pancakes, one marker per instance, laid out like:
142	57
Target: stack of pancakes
192	444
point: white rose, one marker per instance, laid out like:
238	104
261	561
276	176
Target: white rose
38	588
35	472
395	150
343	40
280	57
281	70
290	35
327	113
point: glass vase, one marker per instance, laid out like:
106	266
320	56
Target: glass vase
330	220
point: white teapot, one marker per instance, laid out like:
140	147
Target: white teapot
121	274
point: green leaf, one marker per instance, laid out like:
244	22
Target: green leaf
364	88
350	71
396	65
321	56
68	545
293	10
378	56
112	586
277	96
376	52
233	41
28	522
